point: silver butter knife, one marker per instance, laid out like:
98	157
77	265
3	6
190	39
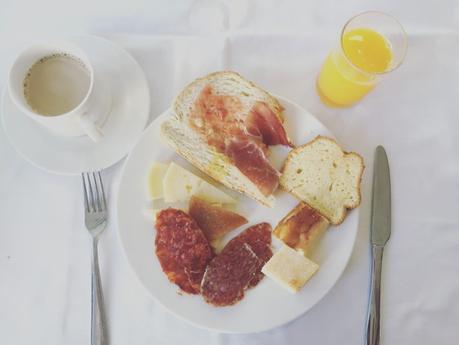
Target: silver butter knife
380	234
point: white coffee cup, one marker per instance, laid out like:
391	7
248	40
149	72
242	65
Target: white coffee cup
87	117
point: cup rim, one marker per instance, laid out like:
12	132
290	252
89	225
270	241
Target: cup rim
405	45
80	55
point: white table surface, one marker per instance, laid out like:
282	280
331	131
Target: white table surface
414	113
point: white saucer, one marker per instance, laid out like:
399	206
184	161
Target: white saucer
127	119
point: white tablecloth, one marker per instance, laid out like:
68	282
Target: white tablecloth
414	113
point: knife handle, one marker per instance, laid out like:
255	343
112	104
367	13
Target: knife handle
374	303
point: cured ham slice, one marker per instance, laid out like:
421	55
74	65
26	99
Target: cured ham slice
242	133
213	220
182	249
258	237
250	159
229	274
263	122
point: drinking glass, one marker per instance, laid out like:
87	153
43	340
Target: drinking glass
345	78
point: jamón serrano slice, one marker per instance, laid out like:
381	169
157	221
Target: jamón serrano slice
229	274
250	159
262	121
242	131
258	237
182	249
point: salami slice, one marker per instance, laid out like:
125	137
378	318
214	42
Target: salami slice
182	249
258	237
229	274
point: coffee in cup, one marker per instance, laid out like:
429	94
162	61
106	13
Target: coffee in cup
54	84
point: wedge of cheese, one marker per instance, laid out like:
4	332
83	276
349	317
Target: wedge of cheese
178	185
213	195
290	269
155	180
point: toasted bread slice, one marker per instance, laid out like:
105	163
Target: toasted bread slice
301	228
214	220
193	147
321	174
226	83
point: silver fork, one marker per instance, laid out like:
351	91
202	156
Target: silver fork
95	219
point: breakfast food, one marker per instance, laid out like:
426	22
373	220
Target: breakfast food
182	249
214	220
301	228
258	237
290	269
155	180
238	266
212	194
228	275
179	184
176	184
321	174
224	125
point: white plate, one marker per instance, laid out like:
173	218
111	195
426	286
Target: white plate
265	306
127	119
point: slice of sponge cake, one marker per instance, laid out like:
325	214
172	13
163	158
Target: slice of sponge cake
321	174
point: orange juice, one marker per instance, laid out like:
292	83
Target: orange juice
351	71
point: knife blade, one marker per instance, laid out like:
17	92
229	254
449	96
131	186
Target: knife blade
381	199
380	232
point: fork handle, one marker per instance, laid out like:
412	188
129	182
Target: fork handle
98	324
374	307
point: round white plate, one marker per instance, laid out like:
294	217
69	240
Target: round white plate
126	121
267	305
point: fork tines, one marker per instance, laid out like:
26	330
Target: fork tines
94	195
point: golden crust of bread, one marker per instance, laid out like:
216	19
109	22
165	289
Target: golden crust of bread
301	228
274	104
182	106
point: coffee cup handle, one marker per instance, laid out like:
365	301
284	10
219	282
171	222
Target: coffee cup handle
90	128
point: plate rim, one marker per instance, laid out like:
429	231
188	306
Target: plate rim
345	263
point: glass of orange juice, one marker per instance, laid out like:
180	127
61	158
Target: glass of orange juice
372	44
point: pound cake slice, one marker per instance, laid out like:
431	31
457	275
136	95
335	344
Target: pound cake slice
325	177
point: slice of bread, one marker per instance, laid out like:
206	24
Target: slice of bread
177	132
301	228
321	174
225	83
195	150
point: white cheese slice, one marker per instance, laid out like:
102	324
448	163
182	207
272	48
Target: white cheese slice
212	194
155	180
290	269
179	184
